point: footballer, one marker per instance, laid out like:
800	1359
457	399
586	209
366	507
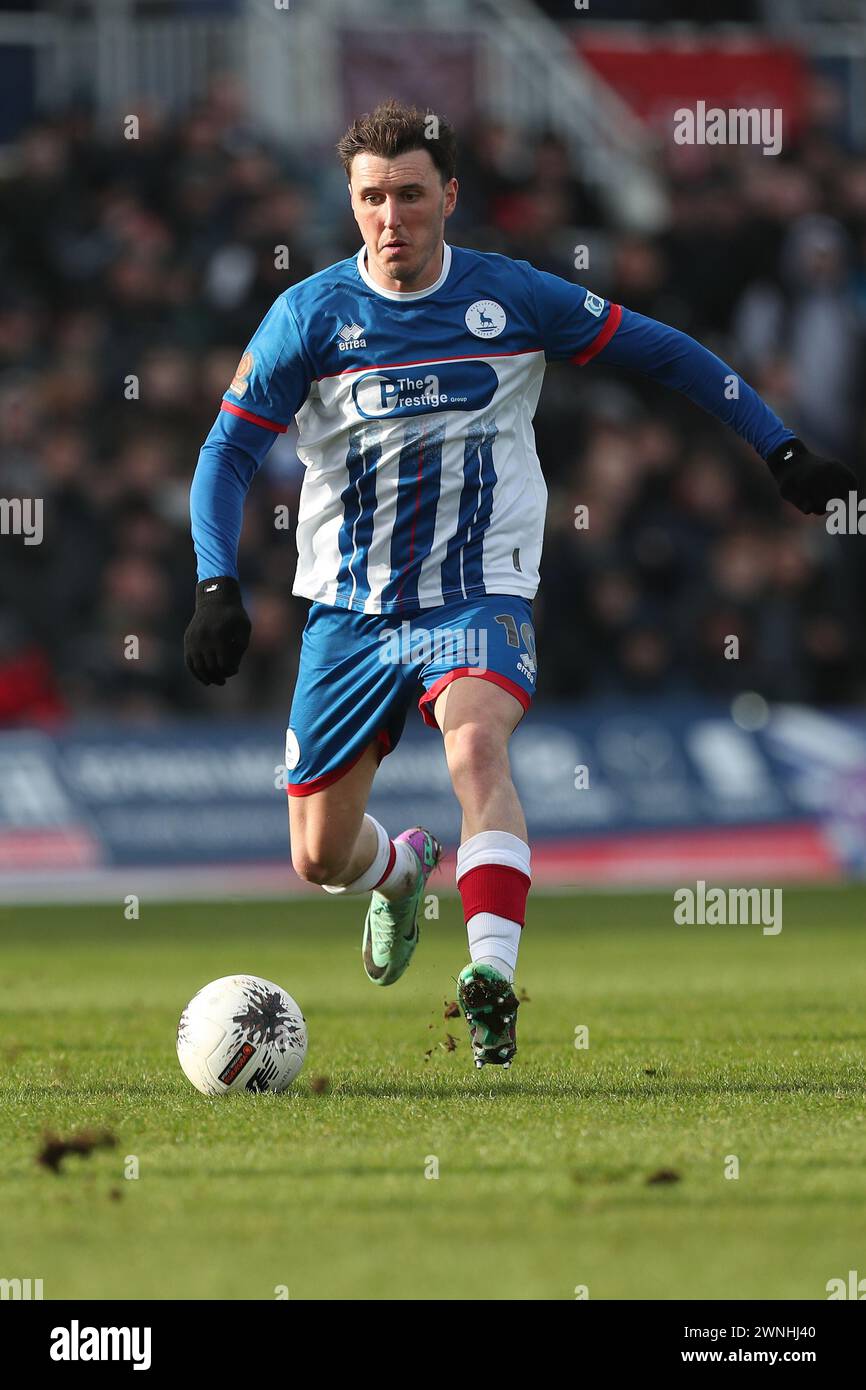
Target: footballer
413	370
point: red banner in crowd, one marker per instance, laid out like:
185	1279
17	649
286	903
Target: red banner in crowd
655	77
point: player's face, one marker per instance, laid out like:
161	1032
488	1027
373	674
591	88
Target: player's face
400	206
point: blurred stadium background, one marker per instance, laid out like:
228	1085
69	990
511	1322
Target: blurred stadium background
134	270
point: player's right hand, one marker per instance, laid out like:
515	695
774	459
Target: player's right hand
219	632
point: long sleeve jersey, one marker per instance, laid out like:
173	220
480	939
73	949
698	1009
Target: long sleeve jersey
414	411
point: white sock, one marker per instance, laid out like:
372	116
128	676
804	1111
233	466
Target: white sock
403	875
494	940
403	878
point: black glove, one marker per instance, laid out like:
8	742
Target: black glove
219	632
807	481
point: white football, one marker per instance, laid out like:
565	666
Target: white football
241	1033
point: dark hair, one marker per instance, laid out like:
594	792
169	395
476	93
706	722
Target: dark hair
393	129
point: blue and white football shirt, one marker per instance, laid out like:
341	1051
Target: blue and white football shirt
414	412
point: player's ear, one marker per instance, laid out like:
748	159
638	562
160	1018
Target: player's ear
451	188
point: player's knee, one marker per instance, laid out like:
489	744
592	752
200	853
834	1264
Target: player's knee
474	751
316	867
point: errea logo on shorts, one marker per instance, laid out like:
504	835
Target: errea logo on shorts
485	318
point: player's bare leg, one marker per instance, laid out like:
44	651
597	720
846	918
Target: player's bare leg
337	845
477	719
332	840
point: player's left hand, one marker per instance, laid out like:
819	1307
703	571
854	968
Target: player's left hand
807	481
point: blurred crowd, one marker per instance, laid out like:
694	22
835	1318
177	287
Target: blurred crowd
133	272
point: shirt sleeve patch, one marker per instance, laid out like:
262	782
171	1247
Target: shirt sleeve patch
241	379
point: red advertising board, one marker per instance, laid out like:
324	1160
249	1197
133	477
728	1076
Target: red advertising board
655	77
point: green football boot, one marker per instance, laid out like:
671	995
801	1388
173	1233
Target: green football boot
490	1006
391	931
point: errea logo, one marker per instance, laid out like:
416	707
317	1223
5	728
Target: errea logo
351	335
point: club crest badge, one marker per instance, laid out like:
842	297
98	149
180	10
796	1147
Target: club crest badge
485	318
293	750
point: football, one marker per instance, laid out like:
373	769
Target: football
241	1033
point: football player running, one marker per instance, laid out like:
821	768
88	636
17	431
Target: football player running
413	370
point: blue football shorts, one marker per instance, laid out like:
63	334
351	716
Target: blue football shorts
359	672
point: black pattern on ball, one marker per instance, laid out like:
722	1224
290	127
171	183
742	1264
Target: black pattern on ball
266	1019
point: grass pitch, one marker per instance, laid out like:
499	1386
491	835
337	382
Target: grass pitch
704	1043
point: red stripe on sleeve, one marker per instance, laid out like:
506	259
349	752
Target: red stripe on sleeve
253	419
602	338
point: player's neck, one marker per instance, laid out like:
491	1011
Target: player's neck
428	277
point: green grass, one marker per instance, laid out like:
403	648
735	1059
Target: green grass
704	1042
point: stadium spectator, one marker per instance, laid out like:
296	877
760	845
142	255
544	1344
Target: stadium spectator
134	271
